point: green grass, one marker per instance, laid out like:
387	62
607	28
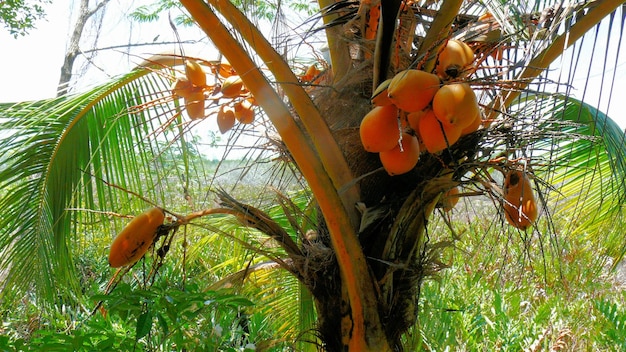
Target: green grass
511	291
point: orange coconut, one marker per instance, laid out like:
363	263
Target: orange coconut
520	207
435	135
195	73
136	238
232	87
244	111
379	129
403	157
412	90
310	74
182	87
413	118
380	97
223	69
456	104
474	126
194	104
455	56
225	118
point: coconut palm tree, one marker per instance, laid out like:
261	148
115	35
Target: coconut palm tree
362	248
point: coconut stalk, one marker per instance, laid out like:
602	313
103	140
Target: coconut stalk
364	331
542	60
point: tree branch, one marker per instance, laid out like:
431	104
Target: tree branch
73	50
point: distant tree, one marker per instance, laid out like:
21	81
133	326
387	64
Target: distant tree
73	49
20	16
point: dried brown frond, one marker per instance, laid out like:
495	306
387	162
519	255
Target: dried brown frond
563	340
255	218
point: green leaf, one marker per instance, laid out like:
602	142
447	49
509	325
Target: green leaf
144	324
163	323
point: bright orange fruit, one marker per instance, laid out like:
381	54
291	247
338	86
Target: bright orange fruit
412	90
403	157
311	73
413	119
456	104
435	135
380	97
520	207
136	238
244	111
379	129
232	87
195	73
224	69
455	56
194	104
182	87
474	126
225	118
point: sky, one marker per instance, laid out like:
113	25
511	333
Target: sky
32	68
36	58
592	82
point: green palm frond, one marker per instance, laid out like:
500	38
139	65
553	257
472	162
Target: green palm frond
289	310
292	307
594	186
584	159
59	153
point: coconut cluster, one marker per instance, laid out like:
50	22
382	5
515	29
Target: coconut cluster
417	111
427	112
193	89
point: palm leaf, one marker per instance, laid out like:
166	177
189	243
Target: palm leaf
569	24
583	155
59	151
597	171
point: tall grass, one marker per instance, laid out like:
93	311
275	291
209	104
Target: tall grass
507	290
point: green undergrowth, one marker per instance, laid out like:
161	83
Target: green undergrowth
504	290
508	290
166	316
